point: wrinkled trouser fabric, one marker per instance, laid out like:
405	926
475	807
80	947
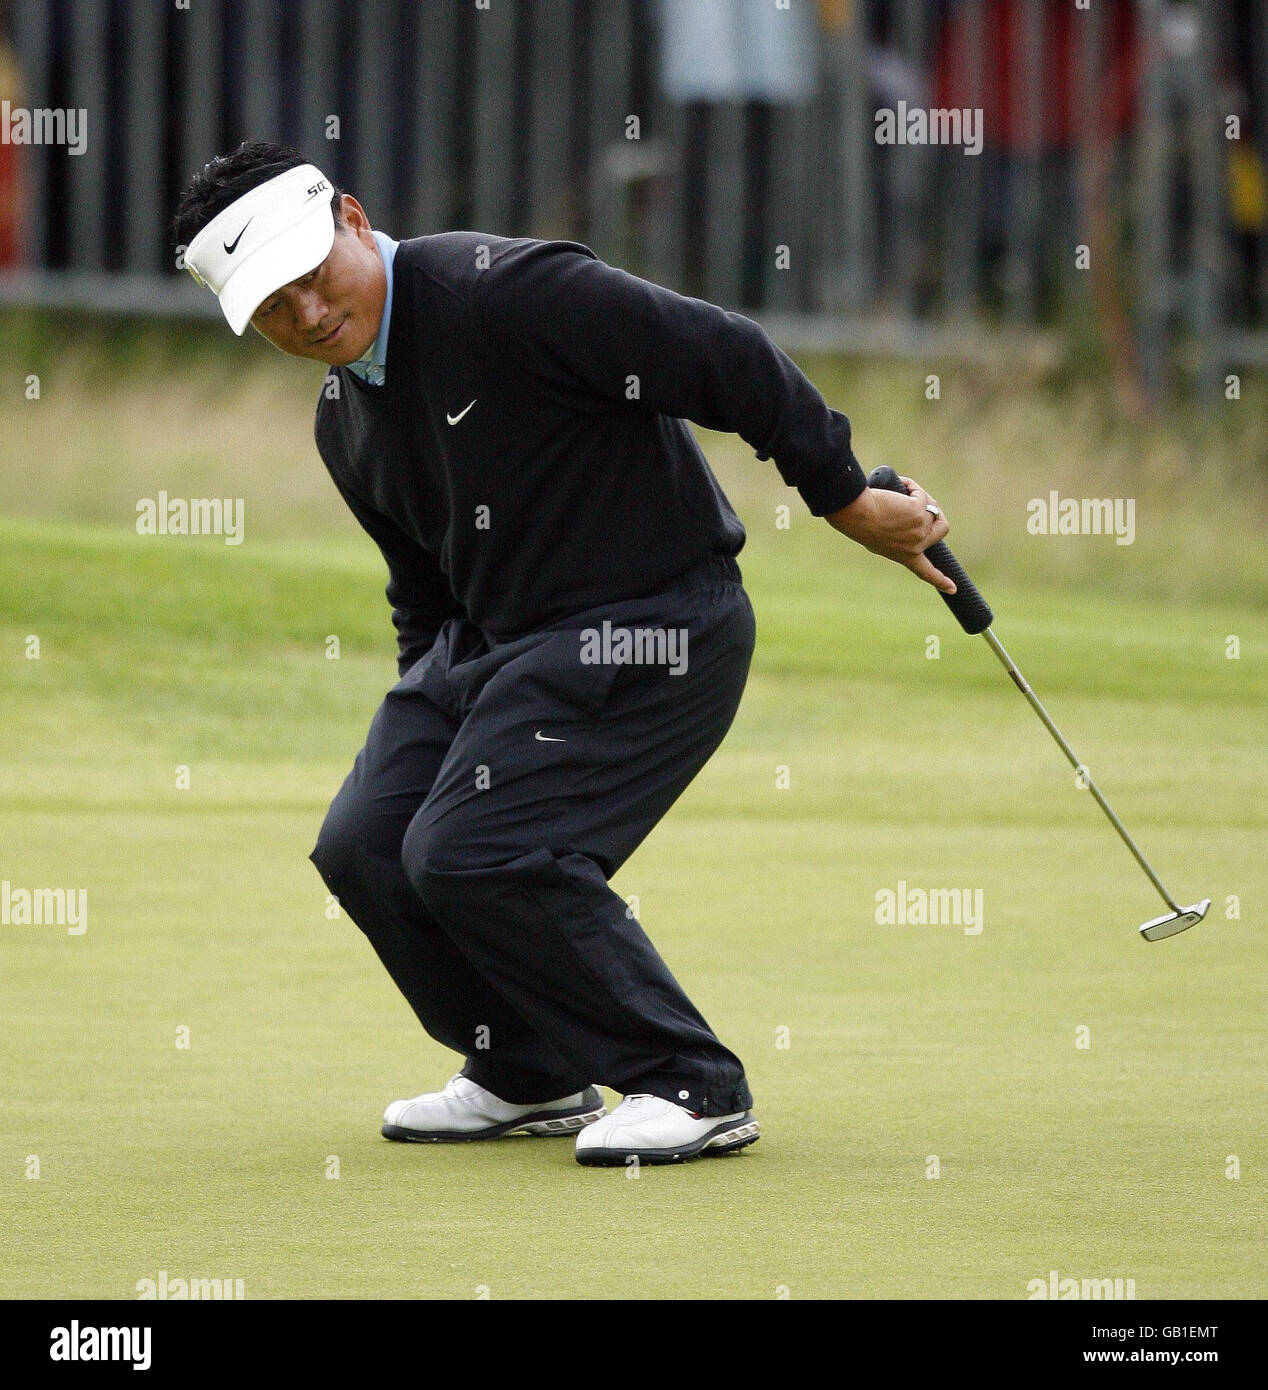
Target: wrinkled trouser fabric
475	854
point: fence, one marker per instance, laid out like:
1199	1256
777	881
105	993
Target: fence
1108	187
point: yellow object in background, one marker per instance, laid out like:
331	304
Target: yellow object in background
835	15
1247	188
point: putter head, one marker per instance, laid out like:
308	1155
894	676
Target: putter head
1174	922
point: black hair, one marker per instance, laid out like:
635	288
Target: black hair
227	177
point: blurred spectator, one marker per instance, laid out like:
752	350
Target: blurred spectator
738	50
745	51
1005	99
1063	50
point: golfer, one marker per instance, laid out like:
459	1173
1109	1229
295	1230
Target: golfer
505	418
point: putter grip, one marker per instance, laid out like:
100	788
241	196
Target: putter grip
971	610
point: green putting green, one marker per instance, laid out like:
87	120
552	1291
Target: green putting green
947	1111
950	1108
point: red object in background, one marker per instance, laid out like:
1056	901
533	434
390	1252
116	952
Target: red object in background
9	165
1063	47
8	205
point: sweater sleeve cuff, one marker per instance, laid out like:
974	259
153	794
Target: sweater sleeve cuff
830	492
412	647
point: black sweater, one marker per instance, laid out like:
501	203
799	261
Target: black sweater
570	479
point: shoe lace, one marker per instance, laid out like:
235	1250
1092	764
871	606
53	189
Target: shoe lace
636	1099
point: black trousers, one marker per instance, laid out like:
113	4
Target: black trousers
502	783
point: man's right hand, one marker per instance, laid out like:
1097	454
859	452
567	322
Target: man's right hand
897	527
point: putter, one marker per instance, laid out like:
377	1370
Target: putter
974	615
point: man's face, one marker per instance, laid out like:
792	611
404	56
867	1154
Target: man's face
333	313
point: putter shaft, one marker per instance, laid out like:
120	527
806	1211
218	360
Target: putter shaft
1020	682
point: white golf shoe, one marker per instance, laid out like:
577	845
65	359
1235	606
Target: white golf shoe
464	1111
653	1130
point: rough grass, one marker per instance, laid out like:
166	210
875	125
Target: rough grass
126	410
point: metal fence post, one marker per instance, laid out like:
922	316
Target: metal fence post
32	41
143	172
86	173
1208	163
1152	179
857	144
494	107
1024	183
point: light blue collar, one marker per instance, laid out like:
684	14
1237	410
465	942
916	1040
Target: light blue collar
372	367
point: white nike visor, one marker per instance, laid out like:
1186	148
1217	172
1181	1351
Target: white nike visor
270	236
